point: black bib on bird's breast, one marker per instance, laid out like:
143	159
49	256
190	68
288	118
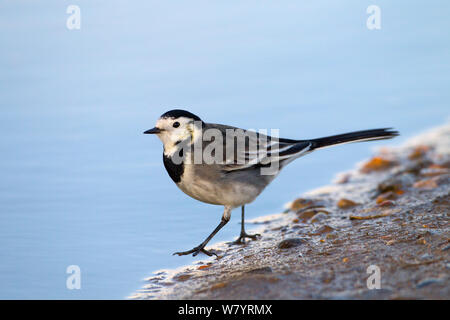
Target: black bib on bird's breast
175	171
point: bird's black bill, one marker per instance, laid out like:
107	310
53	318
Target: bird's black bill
154	130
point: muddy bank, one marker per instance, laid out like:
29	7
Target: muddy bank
391	212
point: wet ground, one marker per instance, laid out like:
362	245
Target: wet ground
389	214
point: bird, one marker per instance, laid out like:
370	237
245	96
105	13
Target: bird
208	162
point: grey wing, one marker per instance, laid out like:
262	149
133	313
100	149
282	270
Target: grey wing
244	149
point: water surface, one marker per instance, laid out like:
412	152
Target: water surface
80	184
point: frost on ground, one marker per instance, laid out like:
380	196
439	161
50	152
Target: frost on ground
391	212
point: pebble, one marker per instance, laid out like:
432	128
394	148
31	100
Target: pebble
426	256
427	282
261	270
290	243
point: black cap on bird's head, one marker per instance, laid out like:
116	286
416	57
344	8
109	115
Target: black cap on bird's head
176	113
176	118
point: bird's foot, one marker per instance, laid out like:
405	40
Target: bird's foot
242	236
195	251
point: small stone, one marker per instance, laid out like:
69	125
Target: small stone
322	230
346	203
416	166
428	282
318	217
377	164
426	184
219	285
182	277
426	256
261	270
396	184
306	215
390	195
300	203
431	172
386	203
327	276
391	242
290	243
331	236
421	241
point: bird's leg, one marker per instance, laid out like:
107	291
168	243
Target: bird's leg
243	234
201	248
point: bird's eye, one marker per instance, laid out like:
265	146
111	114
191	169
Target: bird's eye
176	124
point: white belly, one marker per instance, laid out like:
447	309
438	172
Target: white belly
211	188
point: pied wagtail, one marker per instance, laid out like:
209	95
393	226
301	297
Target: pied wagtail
238	178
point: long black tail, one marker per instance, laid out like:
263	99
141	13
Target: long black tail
357	136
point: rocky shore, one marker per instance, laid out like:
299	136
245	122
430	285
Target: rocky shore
380	231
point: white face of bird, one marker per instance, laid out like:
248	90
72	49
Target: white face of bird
172	131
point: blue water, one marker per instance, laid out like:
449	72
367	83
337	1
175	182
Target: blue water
81	185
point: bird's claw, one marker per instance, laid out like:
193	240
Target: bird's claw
241	239
195	251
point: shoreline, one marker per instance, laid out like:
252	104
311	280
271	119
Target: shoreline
391	212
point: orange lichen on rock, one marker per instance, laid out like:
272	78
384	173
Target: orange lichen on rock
219	285
390	195
204	267
300	203
385	214
377	164
418	152
345	204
